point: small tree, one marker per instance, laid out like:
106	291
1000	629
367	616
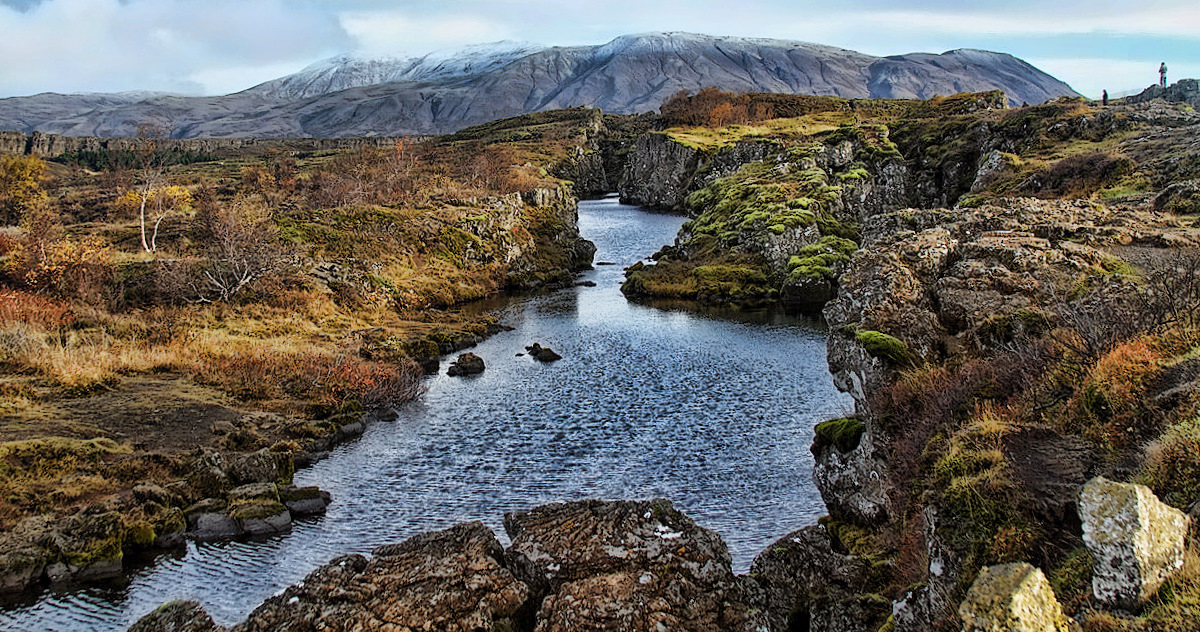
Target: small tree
20	187
157	203
243	252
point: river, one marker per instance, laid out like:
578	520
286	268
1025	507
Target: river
713	411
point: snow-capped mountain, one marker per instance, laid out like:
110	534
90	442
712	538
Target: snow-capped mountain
448	90
354	70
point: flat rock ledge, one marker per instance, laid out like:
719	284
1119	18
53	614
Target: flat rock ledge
590	565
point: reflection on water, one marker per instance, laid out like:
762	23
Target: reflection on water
715	414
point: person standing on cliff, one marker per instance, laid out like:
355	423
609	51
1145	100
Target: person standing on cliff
1104	97
1162	74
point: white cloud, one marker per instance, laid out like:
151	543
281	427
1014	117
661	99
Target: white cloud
112	45
392	32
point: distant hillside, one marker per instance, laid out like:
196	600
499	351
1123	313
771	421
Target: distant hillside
444	92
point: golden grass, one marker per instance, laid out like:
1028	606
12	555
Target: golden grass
709	138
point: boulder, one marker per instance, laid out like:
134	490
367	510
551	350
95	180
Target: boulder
177	616
451	580
466	364
1137	541
262	466
637	566
805	579
304	501
209	520
1013	598
542	354
88	545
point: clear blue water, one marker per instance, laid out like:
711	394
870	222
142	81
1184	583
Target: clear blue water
711	411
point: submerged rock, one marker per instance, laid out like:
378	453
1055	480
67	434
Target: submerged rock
1136	540
466	364
177	616
637	566
1013	598
542	354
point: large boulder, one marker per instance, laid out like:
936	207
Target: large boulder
1013	598
1136	539
635	566
806	580
451	580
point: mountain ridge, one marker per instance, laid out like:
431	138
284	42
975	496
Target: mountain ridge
448	90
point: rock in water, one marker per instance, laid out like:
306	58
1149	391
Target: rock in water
634	566
466	364
542	354
448	580
1136	540
177	616
1012	598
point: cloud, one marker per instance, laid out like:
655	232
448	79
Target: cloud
1161	19
172	45
21	5
391	32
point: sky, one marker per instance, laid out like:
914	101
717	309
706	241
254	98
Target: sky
208	47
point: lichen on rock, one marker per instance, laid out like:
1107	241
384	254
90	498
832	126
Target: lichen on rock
1138	541
1013	598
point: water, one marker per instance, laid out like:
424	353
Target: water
714	412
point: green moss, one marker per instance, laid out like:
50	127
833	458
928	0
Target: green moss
818	260
844	433
883	346
140	535
1072	578
255	509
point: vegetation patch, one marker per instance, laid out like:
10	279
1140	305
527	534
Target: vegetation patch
844	434
882	346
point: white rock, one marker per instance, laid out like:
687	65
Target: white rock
1136	539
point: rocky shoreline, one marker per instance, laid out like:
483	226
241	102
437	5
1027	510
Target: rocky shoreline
238	482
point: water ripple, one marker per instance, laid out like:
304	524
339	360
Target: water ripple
714	414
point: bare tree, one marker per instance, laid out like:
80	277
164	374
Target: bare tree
243	252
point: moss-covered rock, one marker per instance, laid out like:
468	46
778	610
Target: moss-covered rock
844	434
1013	598
883	346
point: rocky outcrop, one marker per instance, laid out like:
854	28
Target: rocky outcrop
1183	91
1013	598
660	172
558	251
1136	540
638	566
942	282
807	581
451	580
589	565
853	484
